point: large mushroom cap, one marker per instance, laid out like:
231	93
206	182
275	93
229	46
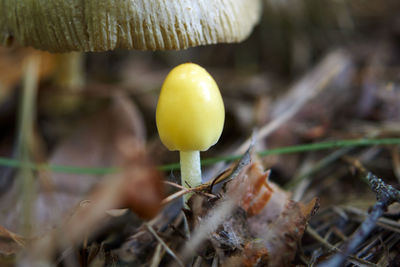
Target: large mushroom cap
100	25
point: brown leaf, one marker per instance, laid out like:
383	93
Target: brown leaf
264	226
96	143
136	186
140	187
117	139
142	190
275	222
281	236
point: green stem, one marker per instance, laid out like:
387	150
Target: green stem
190	170
26	128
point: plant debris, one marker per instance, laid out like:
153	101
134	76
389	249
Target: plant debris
85	180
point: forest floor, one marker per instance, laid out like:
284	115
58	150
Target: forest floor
305	172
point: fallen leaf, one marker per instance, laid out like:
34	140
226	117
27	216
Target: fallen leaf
273	218
113	136
137	185
264	227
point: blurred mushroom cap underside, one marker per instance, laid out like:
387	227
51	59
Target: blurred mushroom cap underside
101	25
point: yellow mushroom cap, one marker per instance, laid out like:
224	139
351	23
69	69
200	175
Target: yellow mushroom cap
190	112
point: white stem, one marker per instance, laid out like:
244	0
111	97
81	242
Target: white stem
190	170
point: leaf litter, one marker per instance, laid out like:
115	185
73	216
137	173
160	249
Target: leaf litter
346	93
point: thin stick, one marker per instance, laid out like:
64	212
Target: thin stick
157	257
174	196
182	192
173	184
166	247
328	245
363	231
385	194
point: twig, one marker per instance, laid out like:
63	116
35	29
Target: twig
174	184
232	173
157	257
385	194
384	223
244	161
328	245
197	189
166	247
174	196
183	191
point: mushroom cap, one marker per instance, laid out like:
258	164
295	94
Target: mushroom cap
101	25
190	112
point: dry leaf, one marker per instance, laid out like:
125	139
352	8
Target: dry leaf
265	222
136	186
96	143
273	218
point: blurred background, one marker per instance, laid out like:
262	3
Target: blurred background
337	61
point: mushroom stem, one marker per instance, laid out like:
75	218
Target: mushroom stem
70	74
190	170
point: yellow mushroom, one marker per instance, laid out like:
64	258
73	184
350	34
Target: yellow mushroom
190	117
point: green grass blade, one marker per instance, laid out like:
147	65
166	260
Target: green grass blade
168	167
